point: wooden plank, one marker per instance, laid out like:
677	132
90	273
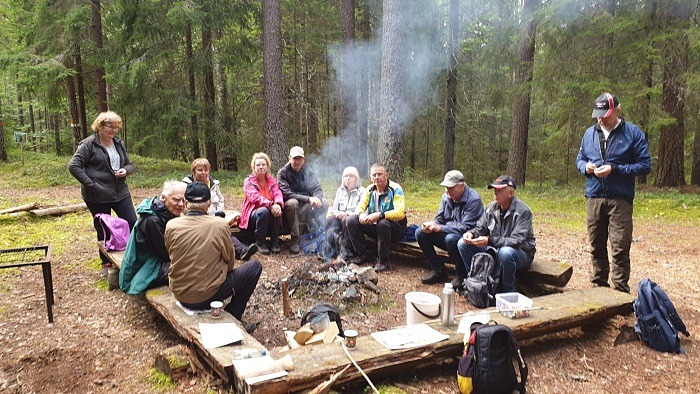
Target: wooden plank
548	272
560	312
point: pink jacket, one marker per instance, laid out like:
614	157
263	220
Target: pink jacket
254	199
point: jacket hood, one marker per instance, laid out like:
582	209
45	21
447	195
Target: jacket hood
154	206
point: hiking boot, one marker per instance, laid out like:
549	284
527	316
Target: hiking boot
435	276
381	266
252	249
458	283
275	246
261	247
294	247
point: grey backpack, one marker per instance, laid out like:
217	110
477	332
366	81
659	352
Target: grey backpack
483	281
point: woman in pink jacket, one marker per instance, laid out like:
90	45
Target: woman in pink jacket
262	207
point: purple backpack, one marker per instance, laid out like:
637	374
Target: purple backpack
116	231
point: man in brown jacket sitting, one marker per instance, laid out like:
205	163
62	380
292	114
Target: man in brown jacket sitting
203	259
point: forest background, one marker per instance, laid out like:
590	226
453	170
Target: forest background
423	86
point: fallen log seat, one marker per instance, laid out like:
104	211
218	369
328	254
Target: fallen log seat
561	311
218	360
547	272
314	364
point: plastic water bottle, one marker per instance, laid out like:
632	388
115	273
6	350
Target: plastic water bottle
448	305
248	353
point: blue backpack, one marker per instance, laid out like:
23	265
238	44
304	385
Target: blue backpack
658	322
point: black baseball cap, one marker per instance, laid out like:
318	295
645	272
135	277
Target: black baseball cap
503	181
604	105
197	192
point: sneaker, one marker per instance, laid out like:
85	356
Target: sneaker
381	266
252	249
458	283
261	247
435	276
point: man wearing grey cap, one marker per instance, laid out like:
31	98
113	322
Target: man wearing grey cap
203	260
613	152
303	196
460	208
506	227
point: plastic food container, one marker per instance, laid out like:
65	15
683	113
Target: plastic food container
513	305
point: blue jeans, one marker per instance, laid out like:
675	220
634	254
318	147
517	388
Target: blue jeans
445	241
510	261
467	251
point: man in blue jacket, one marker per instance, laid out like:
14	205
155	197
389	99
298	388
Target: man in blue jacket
613	152
459	210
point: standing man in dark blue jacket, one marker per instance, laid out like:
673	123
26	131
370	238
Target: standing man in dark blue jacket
459	210
613	152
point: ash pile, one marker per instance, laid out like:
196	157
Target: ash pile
348	283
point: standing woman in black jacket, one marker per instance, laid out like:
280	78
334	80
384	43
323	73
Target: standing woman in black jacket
101	165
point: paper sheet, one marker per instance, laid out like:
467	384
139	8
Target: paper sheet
409	336
470	318
258	369
219	334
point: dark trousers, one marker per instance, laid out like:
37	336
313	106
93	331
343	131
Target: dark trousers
124	209
445	241
263	224
240	283
296	213
385	231
238	246
610	218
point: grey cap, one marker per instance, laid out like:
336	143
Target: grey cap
452	178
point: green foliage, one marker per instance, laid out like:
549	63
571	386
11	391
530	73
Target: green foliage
158	380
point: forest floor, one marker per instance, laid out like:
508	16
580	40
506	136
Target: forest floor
106	341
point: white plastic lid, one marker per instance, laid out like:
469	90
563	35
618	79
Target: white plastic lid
448	285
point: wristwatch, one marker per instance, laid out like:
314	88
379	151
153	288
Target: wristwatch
381	215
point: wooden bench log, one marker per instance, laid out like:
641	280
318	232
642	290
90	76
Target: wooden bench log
218	360
548	272
560	312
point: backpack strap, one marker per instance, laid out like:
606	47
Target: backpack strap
105	229
522	365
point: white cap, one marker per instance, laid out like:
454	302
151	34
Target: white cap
296	151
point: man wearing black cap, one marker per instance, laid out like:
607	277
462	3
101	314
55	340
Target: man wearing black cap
459	210
506	226
613	152
203	259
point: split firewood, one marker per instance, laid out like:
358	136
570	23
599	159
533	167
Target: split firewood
326	386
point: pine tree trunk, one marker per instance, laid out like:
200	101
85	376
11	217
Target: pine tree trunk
275	141
81	92
191	93
73	109
3	144
100	82
448	151
517	157
391	118
670	171
210	125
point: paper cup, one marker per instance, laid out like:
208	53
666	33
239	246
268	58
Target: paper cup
217	308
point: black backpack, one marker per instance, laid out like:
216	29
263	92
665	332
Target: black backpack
328	309
658	322
486	365
483	281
